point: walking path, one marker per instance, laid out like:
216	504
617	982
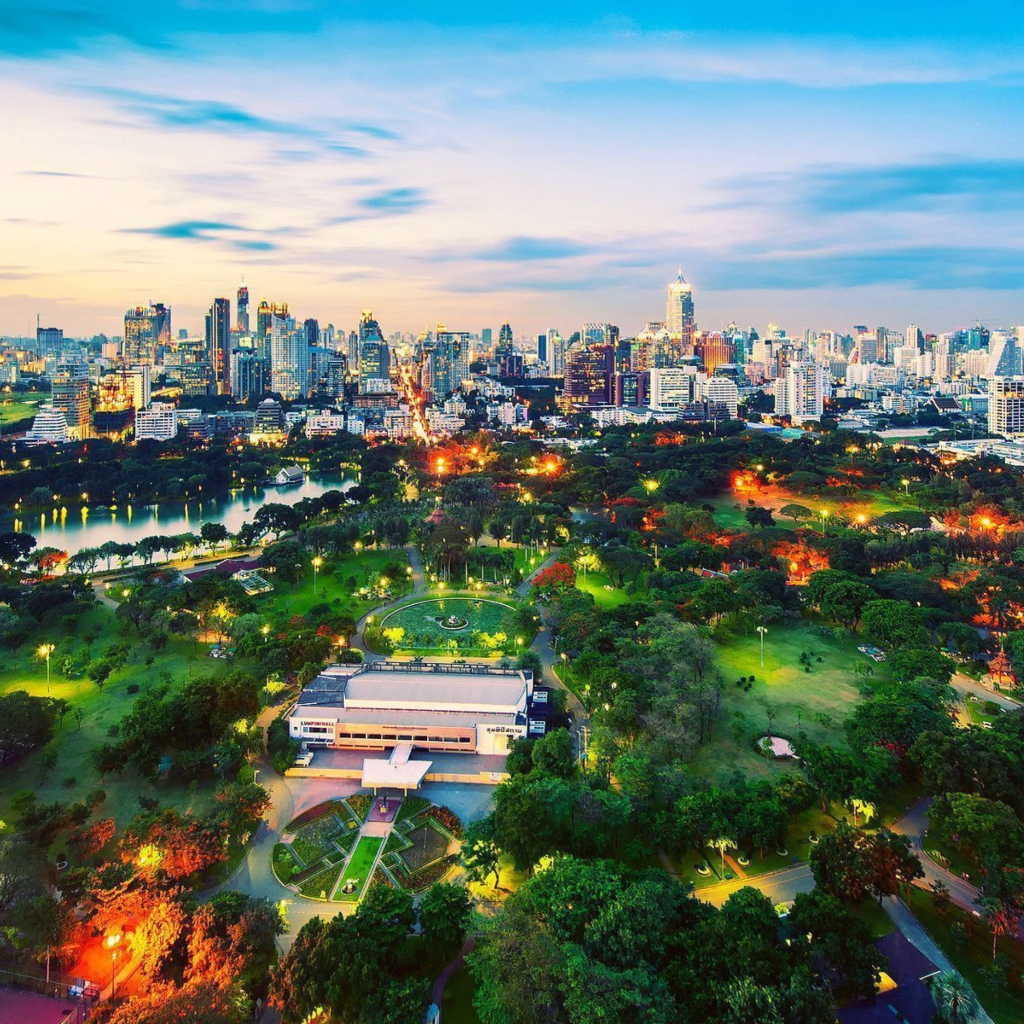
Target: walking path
446	975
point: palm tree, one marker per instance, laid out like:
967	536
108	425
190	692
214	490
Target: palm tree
954	1000
721	844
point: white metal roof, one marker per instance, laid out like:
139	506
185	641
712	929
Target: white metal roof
381	774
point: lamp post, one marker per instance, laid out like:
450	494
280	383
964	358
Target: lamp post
112	942
762	630
317	562
45	651
906	485
824	516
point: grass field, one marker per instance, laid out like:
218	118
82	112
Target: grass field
18	406
816	702
337	584
600	586
74	775
1005	1006
359	867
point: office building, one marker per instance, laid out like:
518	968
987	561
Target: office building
218	344
146	330
242	310
374	355
1003	356
249	376
586	377
542	349
714	350
70	394
1006	406
722	391
679	317
265	313
157	423
289	359
49	341
671	387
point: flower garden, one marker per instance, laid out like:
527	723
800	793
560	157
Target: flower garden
324	857
416	853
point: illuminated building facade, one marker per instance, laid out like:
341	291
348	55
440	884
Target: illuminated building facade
146	329
218	344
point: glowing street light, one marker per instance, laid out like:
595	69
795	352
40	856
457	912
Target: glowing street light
824	515
45	650
651	485
906	485
762	630
112	942
317	562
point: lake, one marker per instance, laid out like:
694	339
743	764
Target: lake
76	528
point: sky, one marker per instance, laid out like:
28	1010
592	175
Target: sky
820	166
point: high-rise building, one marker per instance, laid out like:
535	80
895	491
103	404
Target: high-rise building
800	392
723	391
70	394
289	359
1003	356
1006	406
447	363
353	351
265	313
914	338
49	341
586	377
542	349
714	350
242	322
249	376
218	344
557	345
487	339
374	355
146	328
50	426
672	386
679	318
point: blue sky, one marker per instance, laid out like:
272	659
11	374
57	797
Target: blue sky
819	166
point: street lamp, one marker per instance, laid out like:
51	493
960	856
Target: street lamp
112	942
317	562
45	650
762	630
906	485
824	515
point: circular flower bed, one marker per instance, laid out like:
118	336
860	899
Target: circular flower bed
453	623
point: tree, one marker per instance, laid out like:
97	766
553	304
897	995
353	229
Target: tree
839	866
914	664
758	516
554	754
844	602
213	534
15	546
795	512
894	623
196	1001
892	863
444	913
276	518
721	844
480	853
557	576
955	1002
26	723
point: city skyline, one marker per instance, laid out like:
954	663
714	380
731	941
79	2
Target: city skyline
814	171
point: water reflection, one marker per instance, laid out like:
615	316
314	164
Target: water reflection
128	525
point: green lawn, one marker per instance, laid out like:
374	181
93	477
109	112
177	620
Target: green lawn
457	1002
1006	1006
816	702
605	594
338	584
18	406
103	708
320	886
359	867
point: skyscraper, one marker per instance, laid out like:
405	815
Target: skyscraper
715	349
146	328
289	359
243	310
49	341
70	394
679	319
1006	406
374	355
218	344
542	349
264	315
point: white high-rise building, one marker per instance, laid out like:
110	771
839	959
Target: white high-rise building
1003	356
671	386
157	423
1006	406
800	394
289	359
725	391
